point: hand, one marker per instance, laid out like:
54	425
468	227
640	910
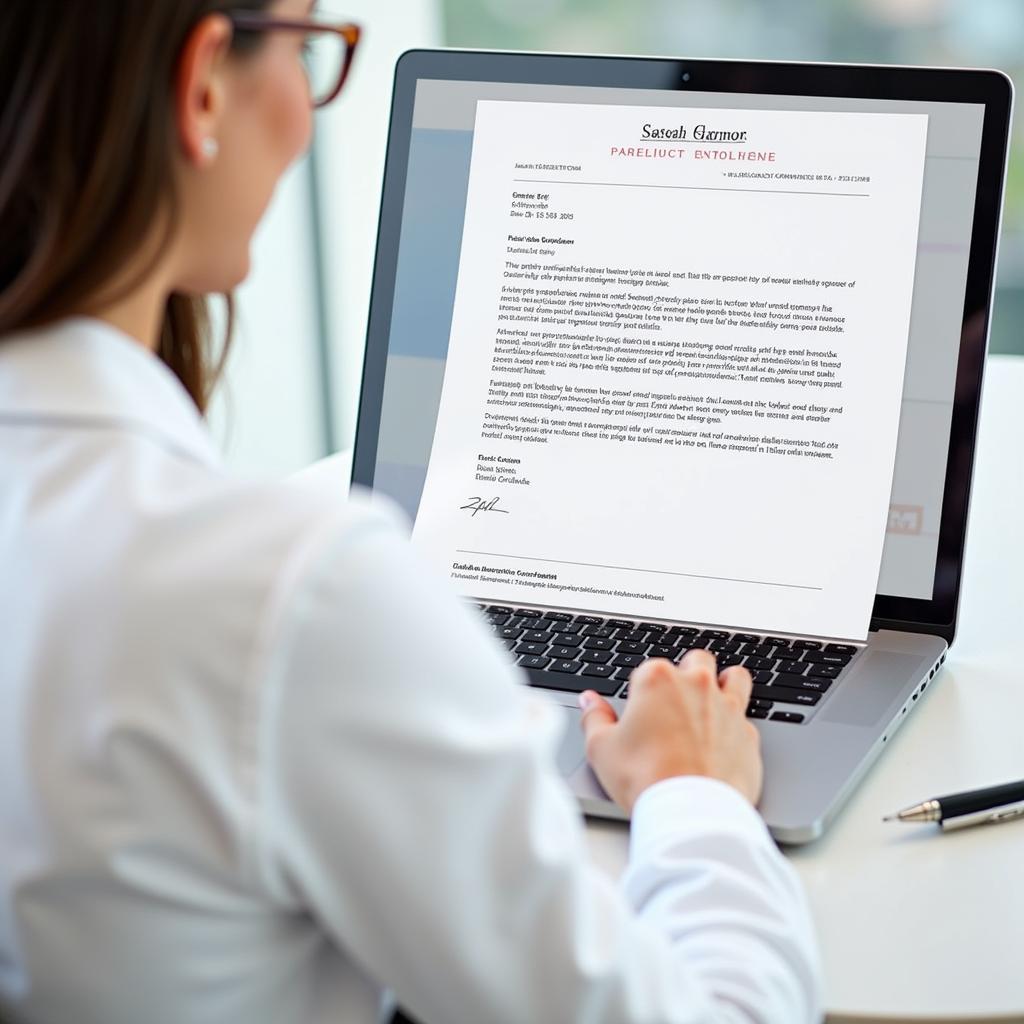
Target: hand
684	720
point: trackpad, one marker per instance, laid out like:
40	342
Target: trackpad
571	751
867	694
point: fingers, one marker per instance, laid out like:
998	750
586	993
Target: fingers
699	667
737	684
597	720
653	670
701	664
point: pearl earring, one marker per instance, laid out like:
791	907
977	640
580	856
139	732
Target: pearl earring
210	147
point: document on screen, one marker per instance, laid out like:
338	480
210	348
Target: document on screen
676	359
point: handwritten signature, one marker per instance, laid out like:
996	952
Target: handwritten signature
483	505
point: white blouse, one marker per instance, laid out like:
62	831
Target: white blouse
258	764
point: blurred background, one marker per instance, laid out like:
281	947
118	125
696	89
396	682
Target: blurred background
293	376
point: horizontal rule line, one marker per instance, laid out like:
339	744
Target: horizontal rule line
629	568
691	142
694	188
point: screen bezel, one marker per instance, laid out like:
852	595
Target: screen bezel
990	88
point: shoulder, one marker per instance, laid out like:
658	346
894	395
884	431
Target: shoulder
186	616
220	553
188	581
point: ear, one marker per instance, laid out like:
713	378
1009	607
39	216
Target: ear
199	86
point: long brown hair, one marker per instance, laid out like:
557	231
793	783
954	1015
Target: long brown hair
87	137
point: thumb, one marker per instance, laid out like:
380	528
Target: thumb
598	717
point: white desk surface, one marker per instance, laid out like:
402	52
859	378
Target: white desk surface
917	925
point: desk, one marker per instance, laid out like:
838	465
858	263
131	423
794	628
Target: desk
890	952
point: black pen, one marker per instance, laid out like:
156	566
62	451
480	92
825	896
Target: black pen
975	807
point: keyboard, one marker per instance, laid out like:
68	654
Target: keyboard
562	651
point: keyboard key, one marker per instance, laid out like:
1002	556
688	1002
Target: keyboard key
629	647
840	649
802	682
574	684
825	671
627	660
757	664
725	646
596	657
564	653
632	635
531	649
509	632
747	638
753	712
658	651
558	616
565	627
776	641
728	660
683	631
533	661
787	716
621	624
755	703
598	643
527	613
657	638
623	674
499	609
537	636
762	676
806	645
605	632
786	694
589	620
653	627
715	634
598	671
757	650
796	668
566	639
566	665
694	643
497	618
821	658
808	697
813	683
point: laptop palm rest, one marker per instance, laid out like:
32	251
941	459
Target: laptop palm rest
870	691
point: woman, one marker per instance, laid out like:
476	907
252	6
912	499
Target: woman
256	764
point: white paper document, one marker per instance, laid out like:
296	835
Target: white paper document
676	361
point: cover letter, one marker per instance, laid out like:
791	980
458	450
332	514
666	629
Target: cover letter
676	361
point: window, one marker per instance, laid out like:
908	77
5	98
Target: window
959	33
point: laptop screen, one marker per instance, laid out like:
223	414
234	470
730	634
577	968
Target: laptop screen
447	114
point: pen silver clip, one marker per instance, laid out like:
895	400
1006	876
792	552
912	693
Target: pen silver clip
992	816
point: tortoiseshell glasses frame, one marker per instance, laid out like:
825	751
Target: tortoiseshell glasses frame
348	34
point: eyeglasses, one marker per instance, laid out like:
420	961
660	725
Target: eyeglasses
327	49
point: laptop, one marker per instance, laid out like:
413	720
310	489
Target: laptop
669	354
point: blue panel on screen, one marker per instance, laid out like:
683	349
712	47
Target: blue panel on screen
428	258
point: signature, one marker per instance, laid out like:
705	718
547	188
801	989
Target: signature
483	505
